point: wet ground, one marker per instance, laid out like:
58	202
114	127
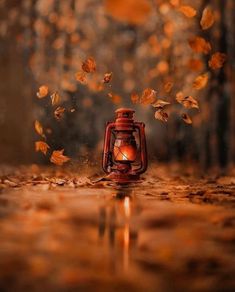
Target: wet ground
60	231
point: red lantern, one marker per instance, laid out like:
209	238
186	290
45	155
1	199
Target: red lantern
125	154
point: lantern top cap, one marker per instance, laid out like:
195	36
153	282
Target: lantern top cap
124	110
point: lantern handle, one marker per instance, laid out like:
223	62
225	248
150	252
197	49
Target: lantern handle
106	152
143	148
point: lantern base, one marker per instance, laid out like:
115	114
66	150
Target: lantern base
123	178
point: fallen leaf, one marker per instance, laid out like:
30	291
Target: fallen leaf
186	118
217	60
81	77
72	110
161	115
42	91
135	98
168	86
41	146
116	99
199	45
201	81
160	104
89	65
55	98
107	77
187	101
131	11
58	158
207	19
38	128
59	112
148	96
188	11
195	64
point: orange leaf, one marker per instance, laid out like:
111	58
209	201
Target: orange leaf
217	60
160	104
201	81
195	64
148	96
199	45
186	118
207	19
81	77
115	98
55	98
38	128
59	112
161	116
130	11
188	101
41	146
42	91
58	158
168	86
89	65
135	98
107	77
188	11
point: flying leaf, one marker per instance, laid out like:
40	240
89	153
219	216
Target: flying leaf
148	96
58	158
59	112
188	11
116	99
161	115
41	146
89	65
131	11
135	98
187	101
201	81
55	98
81	77
107	77
168	86
199	45
42	91
217	60
186	118
38	128
195	64
207	19
160	104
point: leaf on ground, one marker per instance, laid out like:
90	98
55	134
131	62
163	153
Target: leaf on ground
116	99
59	112
195	64
199	45
148	96
186	118
89	65
160	104
207	19
187	101
161	115
81	77
201	81
168	87
42	91
41	146
131	11
55	98
217	60
107	77
135	98
38	128
58	158
188	11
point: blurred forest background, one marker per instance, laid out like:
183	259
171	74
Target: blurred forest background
145	44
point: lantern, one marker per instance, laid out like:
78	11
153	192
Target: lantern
125	154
